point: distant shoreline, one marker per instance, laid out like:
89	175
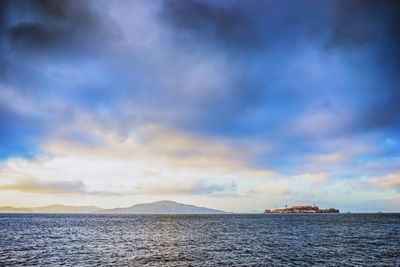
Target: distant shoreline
191	214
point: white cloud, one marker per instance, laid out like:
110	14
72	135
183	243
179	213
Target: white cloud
152	161
315	178
386	182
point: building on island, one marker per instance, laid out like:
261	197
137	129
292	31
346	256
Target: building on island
302	209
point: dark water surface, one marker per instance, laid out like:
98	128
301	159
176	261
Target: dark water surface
200	240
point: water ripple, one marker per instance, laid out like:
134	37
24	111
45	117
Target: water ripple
200	240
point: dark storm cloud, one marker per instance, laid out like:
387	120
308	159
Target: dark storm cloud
359	22
241	31
31	32
361	32
40	34
41	43
253	25
54	8
227	24
49	26
383	114
372	26
30	35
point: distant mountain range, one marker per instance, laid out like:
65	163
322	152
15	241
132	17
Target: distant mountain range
160	207
164	207
51	209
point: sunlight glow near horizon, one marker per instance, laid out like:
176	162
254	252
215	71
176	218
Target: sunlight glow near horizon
238	106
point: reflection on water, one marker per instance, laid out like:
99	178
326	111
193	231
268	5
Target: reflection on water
200	240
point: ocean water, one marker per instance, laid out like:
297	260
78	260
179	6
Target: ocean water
200	240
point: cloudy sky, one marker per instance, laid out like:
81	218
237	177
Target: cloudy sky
235	105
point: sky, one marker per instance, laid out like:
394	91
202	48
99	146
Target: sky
235	105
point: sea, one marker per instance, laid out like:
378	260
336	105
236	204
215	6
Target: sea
200	240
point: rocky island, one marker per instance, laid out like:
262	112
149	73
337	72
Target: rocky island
302	209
